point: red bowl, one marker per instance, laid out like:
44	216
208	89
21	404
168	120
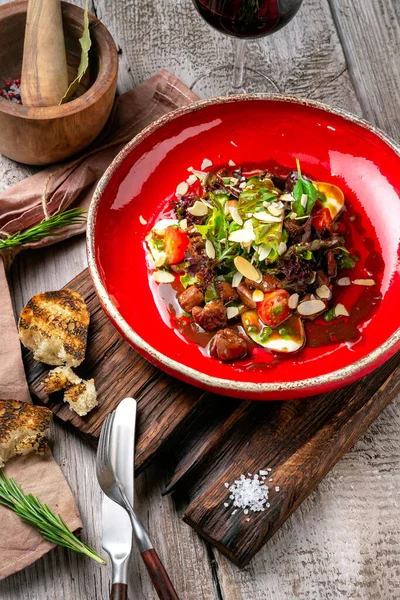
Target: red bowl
332	146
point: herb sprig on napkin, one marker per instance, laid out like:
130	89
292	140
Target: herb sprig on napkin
31	510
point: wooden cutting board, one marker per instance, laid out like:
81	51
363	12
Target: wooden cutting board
216	439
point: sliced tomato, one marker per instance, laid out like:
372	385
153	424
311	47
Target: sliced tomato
322	219
274	309
175	243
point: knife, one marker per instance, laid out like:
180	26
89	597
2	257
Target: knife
122	456
117	528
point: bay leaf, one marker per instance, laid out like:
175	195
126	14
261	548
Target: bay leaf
86	44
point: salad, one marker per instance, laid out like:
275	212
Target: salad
251	255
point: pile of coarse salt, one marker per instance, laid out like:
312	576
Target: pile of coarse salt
250	492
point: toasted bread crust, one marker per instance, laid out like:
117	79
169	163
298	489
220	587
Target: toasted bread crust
23	428
54	325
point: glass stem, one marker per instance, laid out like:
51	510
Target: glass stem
238	66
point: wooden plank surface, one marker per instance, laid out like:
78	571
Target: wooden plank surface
344	541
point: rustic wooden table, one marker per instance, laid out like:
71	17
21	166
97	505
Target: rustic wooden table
344	541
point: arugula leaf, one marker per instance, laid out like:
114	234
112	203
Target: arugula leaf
211	293
187	280
303	187
330	314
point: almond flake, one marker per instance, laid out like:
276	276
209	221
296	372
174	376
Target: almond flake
207	203
263	252
190	169
276	212
232	312
231	163
160	259
210	250
163	277
233	144
191	179
286	198
243	236
312	278
248	225
366	282
199	209
310	307
206	163
344	281
324	292
282	248
303	201
341	310
266	217
258	296
182	188
247	269
142	220
162	225
293	301
242	185
183	224
236	279
235	215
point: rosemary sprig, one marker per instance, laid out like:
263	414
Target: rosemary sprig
31	510
73	216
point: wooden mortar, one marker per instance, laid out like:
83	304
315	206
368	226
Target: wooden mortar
39	135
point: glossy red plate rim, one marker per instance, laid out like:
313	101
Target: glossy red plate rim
327	381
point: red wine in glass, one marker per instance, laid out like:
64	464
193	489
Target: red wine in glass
246	19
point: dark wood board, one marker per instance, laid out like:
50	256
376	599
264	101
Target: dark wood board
215	439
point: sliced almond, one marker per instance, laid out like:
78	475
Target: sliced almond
266	217
242	185
286	198
242	236
282	248
341	310
182	188
233	144
366	282
163	277
310	307
312	278
206	163
258	296
210	250
191	179
162	225
160	259
236	279
276	212
235	215
231	163
142	220
324	292
232	312
199	209
344	281
248	225
304	200
246	269
293	301
263	252
207	203
183	224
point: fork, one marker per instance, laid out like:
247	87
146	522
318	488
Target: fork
113	488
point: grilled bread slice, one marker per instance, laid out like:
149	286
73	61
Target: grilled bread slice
79	393
23	429
54	325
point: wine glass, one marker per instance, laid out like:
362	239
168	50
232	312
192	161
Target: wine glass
244	19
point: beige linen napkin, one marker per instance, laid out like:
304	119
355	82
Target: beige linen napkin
25	204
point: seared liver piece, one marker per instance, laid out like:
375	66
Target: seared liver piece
268	284
212	316
227	344
190	297
246	295
332	267
225	291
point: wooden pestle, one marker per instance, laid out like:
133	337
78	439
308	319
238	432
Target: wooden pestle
44	78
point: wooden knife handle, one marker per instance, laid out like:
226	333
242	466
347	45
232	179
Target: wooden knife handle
119	591
158	575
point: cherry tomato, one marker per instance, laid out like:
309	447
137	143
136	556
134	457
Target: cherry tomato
175	243
274	309
322	219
